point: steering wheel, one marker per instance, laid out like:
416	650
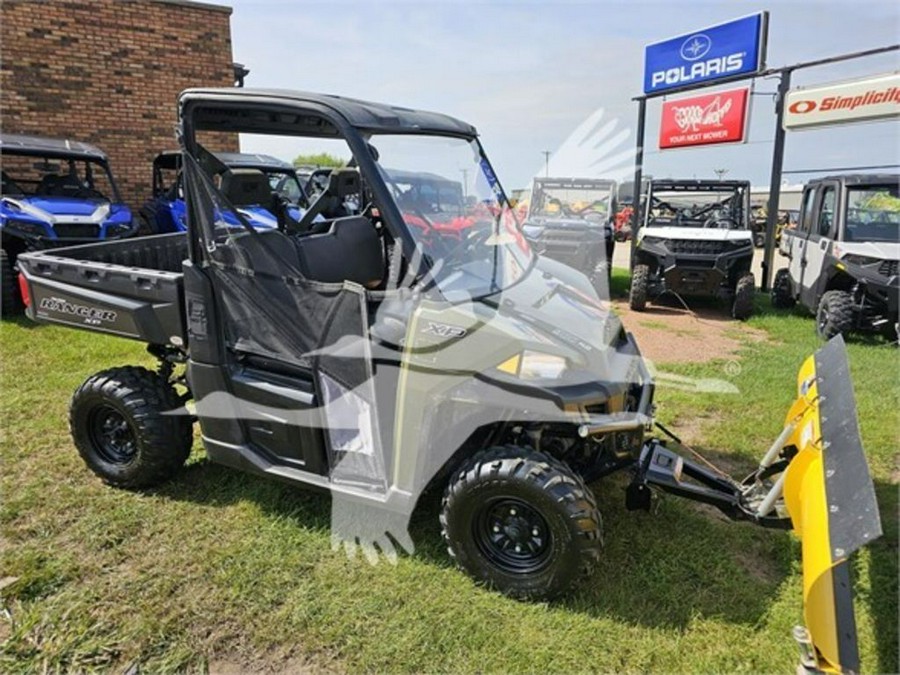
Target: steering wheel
476	234
720	223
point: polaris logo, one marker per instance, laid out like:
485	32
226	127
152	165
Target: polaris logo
696	47
91	315
686	74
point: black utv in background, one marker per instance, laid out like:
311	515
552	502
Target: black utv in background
695	239
572	220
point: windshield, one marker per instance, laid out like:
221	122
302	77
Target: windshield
29	176
713	209
455	210
873	213
570	199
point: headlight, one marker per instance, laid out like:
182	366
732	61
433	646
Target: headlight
534	366
532	231
652	241
117	228
855	259
739	243
26	228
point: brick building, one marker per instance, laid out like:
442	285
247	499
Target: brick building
108	72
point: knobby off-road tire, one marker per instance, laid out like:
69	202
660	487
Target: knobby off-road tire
744	290
640	282
836	314
782	296
117	423
10	299
521	522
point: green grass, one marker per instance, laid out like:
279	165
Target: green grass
222	566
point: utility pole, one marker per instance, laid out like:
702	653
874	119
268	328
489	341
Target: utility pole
784	86
720	173
465	173
546	154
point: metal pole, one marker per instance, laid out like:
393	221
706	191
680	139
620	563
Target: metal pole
546	154
784	86
638	177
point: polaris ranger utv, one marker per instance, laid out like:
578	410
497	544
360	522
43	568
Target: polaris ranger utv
572	220
54	193
359	357
260	185
695	239
843	255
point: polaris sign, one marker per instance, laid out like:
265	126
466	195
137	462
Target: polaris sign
727	51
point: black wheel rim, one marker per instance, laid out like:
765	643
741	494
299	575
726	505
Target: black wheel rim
513	535
112	435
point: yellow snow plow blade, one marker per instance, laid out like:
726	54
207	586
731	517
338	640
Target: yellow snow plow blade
829	496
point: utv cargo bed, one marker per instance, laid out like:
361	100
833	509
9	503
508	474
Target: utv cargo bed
132	287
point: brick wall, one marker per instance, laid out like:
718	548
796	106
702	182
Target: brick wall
108	72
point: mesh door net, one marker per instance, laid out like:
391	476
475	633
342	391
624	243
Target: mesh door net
269	309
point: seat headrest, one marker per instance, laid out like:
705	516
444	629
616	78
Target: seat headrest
243	187
343	182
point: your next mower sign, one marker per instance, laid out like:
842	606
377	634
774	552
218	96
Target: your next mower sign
726	51
704	120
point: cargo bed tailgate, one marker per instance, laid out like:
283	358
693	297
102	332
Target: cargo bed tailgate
135	302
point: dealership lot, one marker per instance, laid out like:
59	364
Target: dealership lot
321	383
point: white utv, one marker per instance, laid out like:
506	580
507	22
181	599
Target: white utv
843	255
694	239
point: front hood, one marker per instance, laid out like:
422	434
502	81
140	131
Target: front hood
559	312
882	250
53	209
695	233
257	216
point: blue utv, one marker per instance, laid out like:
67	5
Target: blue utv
261	187
54	193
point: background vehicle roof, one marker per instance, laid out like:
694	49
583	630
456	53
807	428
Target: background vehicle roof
59	148
861	178
364	115
169	159
676	184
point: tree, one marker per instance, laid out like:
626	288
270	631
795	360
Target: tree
321	159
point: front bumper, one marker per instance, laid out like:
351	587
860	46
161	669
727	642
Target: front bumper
698	273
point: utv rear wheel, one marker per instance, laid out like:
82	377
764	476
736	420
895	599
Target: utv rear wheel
521	522
782	297
640	282
744	291
118	424
836	314
10	301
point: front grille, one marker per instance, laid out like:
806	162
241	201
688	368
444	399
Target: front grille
77	230
562	239
692	247
888	268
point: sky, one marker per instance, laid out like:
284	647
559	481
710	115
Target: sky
529	74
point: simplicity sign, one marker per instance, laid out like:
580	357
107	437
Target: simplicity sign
726	51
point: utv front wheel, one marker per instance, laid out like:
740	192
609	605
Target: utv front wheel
640	282
744	291
782	296
10	301
521	522
836	314
118	422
